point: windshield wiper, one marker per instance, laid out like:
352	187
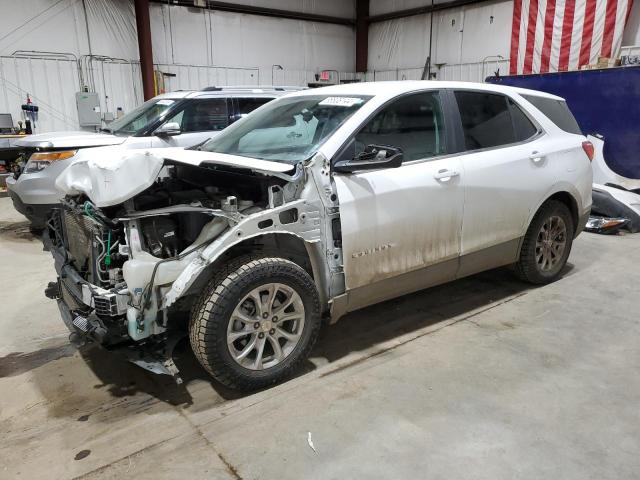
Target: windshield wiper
104	129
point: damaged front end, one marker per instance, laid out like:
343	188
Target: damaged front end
127	268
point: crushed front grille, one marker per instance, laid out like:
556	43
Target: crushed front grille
78	233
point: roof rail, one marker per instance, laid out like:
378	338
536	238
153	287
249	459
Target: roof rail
278	88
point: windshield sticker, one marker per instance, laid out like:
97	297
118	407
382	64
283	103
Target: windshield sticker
341	101
165	102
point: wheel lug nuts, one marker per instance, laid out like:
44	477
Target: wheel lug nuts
256	325
265	315
261	335
272	331
275	319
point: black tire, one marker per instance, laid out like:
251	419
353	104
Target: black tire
528	268
212	313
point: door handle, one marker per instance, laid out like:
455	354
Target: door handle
536	157
445	175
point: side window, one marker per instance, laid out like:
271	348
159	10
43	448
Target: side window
248	105
524	129
557	111
413	123
201	115
485	120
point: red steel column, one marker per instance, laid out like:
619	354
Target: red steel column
144	46
362	35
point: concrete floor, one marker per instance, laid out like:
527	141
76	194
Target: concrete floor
482	378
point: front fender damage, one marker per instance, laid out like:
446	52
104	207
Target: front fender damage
307	228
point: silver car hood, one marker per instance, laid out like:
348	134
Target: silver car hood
111	175
69	140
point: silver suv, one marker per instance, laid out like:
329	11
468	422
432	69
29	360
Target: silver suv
176	119
314	205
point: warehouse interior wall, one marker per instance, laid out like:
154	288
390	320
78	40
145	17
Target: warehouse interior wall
469	42
461	35
51	49
192	36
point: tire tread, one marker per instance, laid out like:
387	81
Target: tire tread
525	269
218	297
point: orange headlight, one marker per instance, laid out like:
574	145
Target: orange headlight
52	156
40	160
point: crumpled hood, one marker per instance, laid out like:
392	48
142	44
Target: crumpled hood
111	175
69	140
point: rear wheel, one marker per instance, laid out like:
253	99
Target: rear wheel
547	244
256	325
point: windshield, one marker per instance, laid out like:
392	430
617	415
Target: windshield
288	130
138	118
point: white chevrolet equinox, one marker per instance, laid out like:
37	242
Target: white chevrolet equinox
316	204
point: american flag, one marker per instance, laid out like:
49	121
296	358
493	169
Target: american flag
560	35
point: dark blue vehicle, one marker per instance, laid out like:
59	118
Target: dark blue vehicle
606	102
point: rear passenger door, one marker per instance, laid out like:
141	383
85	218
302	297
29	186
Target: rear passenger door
505	168
396	222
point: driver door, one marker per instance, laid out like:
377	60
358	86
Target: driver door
401	227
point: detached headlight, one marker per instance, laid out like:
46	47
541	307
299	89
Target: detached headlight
41	160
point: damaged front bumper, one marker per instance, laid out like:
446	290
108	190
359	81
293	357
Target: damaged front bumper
98	316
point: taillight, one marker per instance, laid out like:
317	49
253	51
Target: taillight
589	149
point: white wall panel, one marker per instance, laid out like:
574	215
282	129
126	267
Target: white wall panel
112	28
632	30
487	31
399	43
204	37
461	35
43	25
119	84
449	26
55	97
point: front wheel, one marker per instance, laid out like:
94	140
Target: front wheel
254	327
546	244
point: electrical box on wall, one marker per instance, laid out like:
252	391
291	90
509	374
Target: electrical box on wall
88	106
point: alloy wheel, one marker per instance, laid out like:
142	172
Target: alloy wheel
265	326
551	243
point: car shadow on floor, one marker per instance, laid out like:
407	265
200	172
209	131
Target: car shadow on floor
356	332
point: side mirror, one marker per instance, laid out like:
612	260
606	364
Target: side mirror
168	130
374	157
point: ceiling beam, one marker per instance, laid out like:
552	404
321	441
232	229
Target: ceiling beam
410	12
262	11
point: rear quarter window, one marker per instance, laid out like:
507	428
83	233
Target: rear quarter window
557	111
